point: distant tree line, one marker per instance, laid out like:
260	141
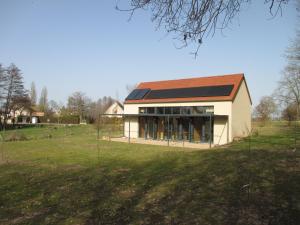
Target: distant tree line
78	106
14	97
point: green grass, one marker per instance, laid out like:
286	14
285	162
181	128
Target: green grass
63	175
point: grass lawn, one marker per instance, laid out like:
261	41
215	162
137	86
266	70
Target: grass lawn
63	175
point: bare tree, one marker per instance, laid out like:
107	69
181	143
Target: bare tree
288	91
33	94
53	107
290	113
193	20
2	94
2	79
265	108
107	101
100	106
21	103
78	104
2	85
130	87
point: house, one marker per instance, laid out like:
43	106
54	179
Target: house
19	116
25	115
116	108
215	110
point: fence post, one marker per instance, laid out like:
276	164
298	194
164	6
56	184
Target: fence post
146	128
98	127
129	132
168	131
98	136
210	131
124	127
295	132
2	145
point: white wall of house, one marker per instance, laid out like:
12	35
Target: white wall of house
34	120
222	129
115	108
241	113
24	112
134	127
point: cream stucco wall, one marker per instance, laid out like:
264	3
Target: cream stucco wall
114	109
222	129
241	113
134	127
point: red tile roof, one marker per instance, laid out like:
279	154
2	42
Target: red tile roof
232	79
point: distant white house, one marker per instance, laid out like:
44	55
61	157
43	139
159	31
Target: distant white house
20	116
25	115
116	108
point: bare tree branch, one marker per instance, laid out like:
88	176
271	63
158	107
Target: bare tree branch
193	20
288	91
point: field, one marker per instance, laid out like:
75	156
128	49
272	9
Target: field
64	175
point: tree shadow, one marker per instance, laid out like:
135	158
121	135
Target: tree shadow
207	187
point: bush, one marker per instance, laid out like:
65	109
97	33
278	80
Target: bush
109	123
47	136
255	133
14	136
67	119
48	119
17	126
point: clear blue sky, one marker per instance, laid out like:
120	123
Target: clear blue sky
70	45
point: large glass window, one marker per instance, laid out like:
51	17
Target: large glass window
198	110
176	110
184	110
151	110
185	128
142	110
168	110
160	110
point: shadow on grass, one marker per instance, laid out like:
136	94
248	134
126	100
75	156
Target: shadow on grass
219	187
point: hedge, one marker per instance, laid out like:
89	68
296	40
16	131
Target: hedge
69	119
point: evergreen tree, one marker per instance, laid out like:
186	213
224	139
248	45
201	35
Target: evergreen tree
43	103
33	95
13	88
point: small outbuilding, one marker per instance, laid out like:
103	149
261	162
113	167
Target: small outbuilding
213	110
35	117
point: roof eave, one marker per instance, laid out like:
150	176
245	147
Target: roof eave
165	102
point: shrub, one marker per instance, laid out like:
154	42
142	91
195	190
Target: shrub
69	119
255	133
14	136
66	119
47	136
